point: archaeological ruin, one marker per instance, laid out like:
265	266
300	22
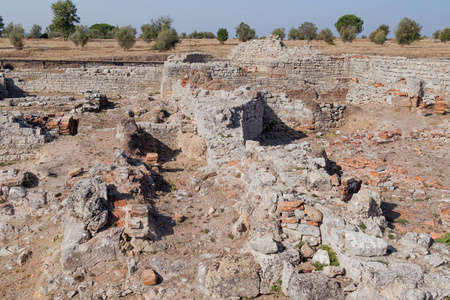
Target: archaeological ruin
272	172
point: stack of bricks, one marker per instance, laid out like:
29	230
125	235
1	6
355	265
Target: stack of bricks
295	212
440	105
65	125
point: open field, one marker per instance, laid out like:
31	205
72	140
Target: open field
108	49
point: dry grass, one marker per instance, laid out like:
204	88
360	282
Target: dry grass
108	49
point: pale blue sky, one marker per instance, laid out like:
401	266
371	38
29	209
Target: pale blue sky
263	15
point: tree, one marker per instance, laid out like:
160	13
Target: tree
349	20
380	37
16	36
65	15
222	35
444	36
307	31
437	34
348	34
279	32
167	39
384	28
326	35
201	35
101	31
126	37
244	33
35	31
407	31
150	31
293	34
1	25
8	29
80	36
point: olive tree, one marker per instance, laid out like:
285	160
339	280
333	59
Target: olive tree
244	33
167	39
126	37
348	34
16	36
279	32
80	36
407	31
151	30
307	31
35	31
326	35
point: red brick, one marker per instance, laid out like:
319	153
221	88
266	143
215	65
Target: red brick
149	277
290	205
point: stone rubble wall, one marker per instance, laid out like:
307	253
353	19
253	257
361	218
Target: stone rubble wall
18	140
112	81
385	72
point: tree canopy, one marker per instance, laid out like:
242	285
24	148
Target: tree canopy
407	31
65	15
349	20
244	33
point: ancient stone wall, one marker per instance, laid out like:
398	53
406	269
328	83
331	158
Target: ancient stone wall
3	91
378	77
18	140
109	80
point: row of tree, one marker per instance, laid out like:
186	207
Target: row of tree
165	36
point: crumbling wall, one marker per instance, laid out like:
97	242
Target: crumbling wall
18	140
110	80
379	78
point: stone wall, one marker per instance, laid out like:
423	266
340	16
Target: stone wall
380	78
18	140
110	80
3	90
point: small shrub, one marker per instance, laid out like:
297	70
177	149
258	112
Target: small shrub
276	288
348	34
166	39
362	226
319	266
402	222
445	239
16	36
326	35
391	236
333	256
126	37
230	236
300	244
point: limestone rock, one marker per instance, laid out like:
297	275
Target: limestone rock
265	245
234	276
322	257
89	201
314	286
365	203
361	244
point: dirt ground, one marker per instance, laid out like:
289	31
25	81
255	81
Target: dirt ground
57	49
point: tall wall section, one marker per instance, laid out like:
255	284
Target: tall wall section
109	80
